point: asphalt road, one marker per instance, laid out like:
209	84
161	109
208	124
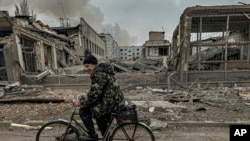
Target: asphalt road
176	134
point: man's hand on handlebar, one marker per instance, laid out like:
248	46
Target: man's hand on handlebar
76	103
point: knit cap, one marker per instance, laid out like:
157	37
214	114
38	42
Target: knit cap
90	59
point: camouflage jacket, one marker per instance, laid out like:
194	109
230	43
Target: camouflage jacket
105	93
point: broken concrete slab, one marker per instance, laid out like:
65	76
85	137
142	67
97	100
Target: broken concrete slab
15	84
71	70
161	106
120	67
158	124
160	90
43	74
78	61
142	66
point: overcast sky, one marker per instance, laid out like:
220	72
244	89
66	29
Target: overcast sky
132	20
140	17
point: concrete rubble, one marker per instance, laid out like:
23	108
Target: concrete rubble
155	106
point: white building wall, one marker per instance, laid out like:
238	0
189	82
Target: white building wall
130	52
112	48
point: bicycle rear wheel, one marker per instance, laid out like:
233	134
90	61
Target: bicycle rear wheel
132	132
56	131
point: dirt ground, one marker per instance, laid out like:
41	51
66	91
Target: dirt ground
213	104
210	104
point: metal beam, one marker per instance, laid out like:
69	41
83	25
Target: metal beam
246	15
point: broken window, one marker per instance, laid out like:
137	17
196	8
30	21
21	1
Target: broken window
28	54
2	60
3	73
153	52
163	51
158	51
4	33
48	56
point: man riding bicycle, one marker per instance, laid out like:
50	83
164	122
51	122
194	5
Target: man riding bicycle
102	99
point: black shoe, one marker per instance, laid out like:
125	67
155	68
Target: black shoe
69	137
89	138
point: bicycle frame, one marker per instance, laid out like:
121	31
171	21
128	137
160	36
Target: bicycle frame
113	132
73	121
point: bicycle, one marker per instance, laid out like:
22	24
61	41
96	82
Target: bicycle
124	126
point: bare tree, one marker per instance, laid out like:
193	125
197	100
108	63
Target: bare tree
23	10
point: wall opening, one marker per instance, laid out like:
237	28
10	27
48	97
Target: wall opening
28	54
48	56
3	72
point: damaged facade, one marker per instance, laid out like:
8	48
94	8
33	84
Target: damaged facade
84	39
156	47
112	48
211	44
31	48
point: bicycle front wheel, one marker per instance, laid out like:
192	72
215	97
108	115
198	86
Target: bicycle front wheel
56	131
132	132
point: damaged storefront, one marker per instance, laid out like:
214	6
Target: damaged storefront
211	45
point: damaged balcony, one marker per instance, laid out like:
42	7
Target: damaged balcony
211	45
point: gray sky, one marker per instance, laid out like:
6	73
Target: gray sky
140	17
129	21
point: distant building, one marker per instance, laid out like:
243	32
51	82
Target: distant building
156	47
130	52
112	50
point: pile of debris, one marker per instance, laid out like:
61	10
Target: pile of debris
146	65
213	57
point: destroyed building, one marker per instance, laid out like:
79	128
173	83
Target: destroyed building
112	49
211	45
156	46
84	37
157	49
31	49
152	56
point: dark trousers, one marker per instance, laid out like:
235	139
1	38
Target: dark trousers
87	118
